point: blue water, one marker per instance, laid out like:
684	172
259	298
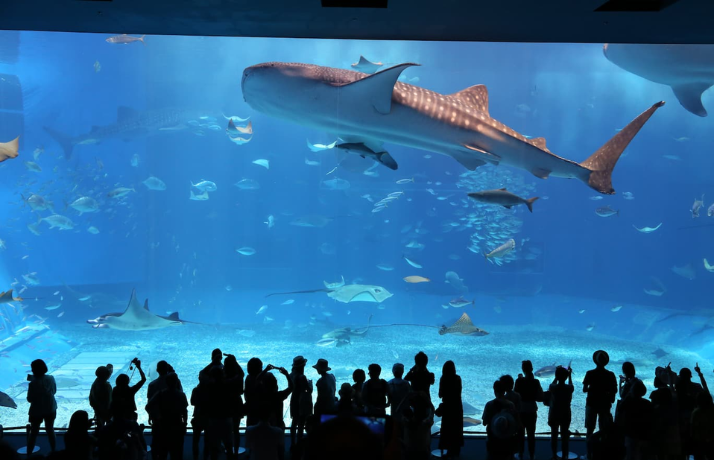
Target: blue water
181	254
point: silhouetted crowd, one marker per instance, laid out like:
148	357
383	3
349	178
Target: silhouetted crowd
351	422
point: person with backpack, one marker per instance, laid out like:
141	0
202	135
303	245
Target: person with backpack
531	392
501	421
559	414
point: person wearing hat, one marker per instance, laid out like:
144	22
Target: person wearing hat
326	388
100	395
601	386
300	400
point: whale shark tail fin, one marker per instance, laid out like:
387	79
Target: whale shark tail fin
601	163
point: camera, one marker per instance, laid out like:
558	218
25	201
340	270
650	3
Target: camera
134	362
30	377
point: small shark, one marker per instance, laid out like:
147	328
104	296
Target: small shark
131	124
549	371
376	108
687	69
463	326
135	318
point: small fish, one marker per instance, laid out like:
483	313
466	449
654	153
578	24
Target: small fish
56	293
85	298
288	302
311	162
246	333
61	314
672	157
607	211
246	251
261	310
93	230
25	257
628	196
501	197
405	181
460	302
263	163
270	222
379	208
697	206
229	288
590	327
710	211
247	184
708	267
120	192
502	250
320	147
53	307
154	183
581	311
411	262
32	166
616	308
135	160
125	39
416	279
596	198
384	267
97	67
205	186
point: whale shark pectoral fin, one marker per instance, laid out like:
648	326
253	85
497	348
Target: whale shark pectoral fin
690	96
377	88
540	173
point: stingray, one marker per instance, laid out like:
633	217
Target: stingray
462	326
349	293
346	332
659	353
6	297
135	318
686	271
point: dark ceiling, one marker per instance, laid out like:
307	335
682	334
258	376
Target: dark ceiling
644	21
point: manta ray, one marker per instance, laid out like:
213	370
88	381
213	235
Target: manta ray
687	69
135	318
463	326
349	293
374	109
6	297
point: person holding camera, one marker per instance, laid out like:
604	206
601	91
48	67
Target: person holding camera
43	406
123	402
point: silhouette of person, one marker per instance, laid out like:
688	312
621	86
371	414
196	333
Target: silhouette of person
265	441
418	420
601	386
637	421
267	394
559	414
687	392
419	376
374	392
703	427
234	379
530	390
123	402
326	387
346	405
163	369
100	395
168	409
627	381
220	423
343	438
300	400
254	368
78	443
398	393
666	441
43	406
216	360
511	395
7	452
358	377
451	411
501	421
199	422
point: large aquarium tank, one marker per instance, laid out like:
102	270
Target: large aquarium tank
356	201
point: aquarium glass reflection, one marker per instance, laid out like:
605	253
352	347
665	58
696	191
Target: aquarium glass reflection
360	206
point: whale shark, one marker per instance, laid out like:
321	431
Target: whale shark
135	318
687	69
132	124
373	109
